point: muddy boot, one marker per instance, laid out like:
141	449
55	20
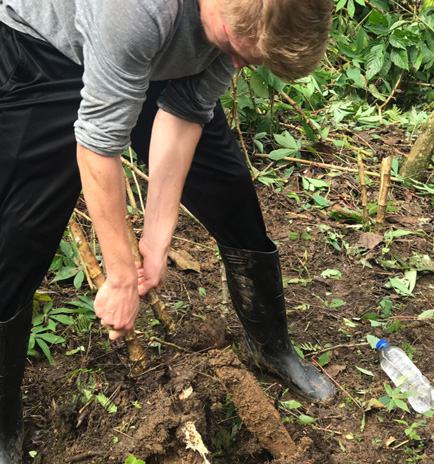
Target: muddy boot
14	339
255	284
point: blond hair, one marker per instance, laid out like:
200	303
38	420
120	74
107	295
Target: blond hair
291	36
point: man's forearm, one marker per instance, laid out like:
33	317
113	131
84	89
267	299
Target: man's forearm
104	191
173	144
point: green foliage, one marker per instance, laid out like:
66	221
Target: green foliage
377	44
66	261
395	398
132	460
45	325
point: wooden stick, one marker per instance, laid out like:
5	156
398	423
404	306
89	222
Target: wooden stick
145	177
152	298
326	166
136	353
364	192
386	167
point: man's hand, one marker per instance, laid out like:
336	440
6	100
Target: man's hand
117	305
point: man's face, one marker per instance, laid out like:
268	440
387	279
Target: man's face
240	49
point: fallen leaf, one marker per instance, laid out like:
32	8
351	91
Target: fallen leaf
336	369
370	240
389	441
373	403
184	261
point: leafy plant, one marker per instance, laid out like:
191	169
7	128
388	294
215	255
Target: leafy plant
132	460
43	333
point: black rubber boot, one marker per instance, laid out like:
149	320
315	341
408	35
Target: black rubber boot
14	339
255	284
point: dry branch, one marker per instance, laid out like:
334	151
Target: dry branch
325	165
255	408
136	353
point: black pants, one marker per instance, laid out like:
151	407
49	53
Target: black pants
39	179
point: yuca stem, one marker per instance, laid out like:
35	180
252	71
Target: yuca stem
135	350
152	298
386	167
364	191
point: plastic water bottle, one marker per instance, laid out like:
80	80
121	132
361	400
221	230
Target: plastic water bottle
401	370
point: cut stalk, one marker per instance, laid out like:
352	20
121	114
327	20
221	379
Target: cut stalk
386	167
152	298
364	192
135	350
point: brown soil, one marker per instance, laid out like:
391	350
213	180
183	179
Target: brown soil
186	384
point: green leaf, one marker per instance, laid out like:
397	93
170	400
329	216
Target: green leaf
65	273
287	140
280	153
331	273
336	303
45	349
340	4
259	86
304	419
399	286
364	371
78	279
271	79
429	313
63	319
372	340
399	58
375	60
324	359
351	8
356	76
51	338
66	248
291	404
106	403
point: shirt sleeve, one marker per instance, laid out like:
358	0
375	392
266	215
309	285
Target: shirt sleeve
118	50
193	98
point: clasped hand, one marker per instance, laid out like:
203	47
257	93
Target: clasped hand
118	300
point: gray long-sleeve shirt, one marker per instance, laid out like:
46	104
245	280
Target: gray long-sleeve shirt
123	46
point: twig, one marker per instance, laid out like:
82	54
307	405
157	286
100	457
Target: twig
130	192
326	166
331	348
82	456
301	113
237	121
136	353
364	192
145	177
163	342
386	166
389	97
133	172
337	384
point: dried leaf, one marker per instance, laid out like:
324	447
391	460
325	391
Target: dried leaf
370	240
184	261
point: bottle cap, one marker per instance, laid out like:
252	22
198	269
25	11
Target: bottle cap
382	344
